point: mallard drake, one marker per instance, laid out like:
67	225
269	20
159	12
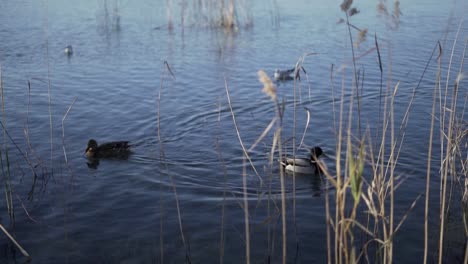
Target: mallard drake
305	165
283	74
117	149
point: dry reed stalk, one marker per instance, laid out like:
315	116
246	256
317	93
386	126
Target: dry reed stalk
229	16
49	95
245	151
183	6
244	177
270	89
328	217
223	207
161	225
305	128
429	158
356	78
246	210
63	129
265	132
223	14
328	222
245	12
26	210
380	87
278	142
332	84
297	68
444	165
170	24
8	187
389	239
338	183
161	204
404	123
26	130
24	252
5	136
344	238
166	169
380	172
394	154
342	226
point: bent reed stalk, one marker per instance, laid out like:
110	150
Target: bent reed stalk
165	170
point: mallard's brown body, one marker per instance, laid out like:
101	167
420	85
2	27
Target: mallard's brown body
117	149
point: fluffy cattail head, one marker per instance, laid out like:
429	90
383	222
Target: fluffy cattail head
268	87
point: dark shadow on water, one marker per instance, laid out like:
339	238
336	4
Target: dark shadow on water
93	163
306	181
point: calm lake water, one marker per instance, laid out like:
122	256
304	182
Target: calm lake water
125	211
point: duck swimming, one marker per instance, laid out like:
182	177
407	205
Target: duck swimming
283	74
290	74
117	149
306	165
68	50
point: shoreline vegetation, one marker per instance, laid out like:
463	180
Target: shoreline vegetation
361	222
227	14
360	191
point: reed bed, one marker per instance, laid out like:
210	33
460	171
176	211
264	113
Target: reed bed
361	219
226	14
7	176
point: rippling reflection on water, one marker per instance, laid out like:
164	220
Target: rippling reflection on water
185	144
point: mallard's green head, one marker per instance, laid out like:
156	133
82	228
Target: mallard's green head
315	153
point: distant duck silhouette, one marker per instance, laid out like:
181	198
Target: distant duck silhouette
68	50
306	165
117	149
282	75
290	74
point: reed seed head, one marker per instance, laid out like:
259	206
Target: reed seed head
361	37
268	87
396	9
346	5
353	11
382	9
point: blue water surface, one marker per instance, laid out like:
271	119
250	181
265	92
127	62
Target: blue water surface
181	193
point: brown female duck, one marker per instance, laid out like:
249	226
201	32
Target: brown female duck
117	149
